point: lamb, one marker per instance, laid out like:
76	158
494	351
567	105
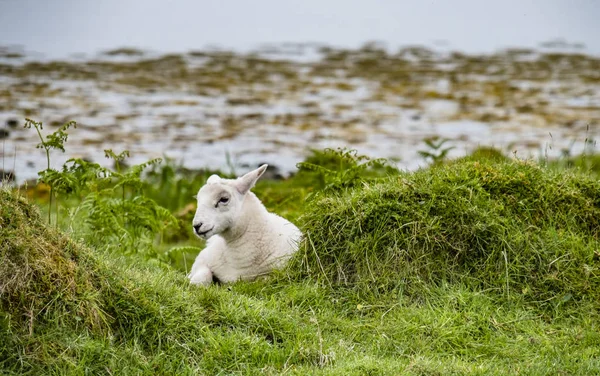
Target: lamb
244	240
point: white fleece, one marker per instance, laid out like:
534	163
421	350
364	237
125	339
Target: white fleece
244	239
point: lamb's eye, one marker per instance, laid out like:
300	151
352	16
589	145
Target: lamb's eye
222	200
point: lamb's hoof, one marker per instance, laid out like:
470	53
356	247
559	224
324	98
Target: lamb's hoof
199	282
201	277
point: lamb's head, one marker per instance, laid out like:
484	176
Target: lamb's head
220	202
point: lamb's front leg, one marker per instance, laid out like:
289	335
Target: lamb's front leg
201	273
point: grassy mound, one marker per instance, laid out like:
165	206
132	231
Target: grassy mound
505	226
65	309
44	273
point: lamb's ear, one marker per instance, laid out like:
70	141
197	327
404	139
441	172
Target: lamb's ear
245	183
213	179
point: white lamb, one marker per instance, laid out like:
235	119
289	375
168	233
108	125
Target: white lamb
244	239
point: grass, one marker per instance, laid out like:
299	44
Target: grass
478	266
493	226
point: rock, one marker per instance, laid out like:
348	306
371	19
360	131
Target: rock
272	173
12	123
7	176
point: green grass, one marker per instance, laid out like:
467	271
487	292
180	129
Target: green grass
472	267
506	227
589	164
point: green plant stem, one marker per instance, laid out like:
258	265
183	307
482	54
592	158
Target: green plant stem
123	204
48	160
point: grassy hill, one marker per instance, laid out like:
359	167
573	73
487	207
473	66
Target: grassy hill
473	267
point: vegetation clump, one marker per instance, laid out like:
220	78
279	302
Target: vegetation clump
44	277
511	227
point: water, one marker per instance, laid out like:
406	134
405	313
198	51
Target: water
204	111
218	110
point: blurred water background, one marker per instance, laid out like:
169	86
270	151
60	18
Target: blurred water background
232	84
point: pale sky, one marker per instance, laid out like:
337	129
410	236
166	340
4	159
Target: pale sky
58	28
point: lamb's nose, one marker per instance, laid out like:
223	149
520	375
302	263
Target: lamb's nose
197	228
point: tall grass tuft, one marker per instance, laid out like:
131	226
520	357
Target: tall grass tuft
509	227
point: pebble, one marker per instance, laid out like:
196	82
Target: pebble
12	123
7	176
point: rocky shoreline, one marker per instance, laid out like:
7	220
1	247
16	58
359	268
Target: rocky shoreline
229	110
